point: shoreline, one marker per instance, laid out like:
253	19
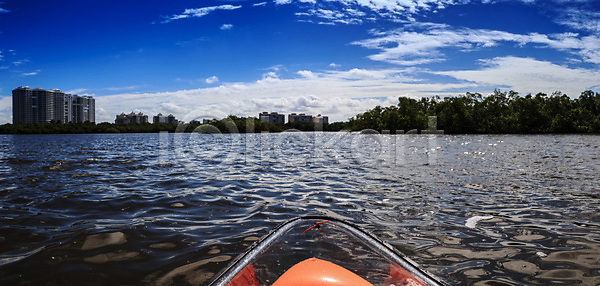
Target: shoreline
145	128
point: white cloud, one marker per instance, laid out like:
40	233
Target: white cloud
122	88
581	19
301	103
401	6
587	47
528	75
580	15
359	11
384	76
334	65
20	62
363	74
171	108
76	91
200	12
226	27
5	103
269	77
333	16
5	109
276	68
306	74
259	4
212	79
423	43
31	73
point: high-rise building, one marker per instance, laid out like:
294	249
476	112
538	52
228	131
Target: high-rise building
122	119
321	119
131	118
39	105
293	117
68	108
170	119
83	109
272	117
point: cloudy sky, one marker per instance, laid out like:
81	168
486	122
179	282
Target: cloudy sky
202	58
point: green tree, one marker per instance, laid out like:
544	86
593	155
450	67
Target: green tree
455	115
412	113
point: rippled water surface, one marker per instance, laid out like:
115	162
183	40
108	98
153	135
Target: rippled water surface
166	209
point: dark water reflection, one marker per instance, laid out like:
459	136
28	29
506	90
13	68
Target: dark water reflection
168	209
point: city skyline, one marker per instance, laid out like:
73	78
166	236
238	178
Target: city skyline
340	58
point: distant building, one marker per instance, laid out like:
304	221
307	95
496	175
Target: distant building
138	118
321	119
121	119
83	108
204	121
170	119
272	117
131	118
293	117
159	119
39	105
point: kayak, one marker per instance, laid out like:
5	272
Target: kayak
319	250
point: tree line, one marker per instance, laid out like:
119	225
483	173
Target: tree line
82	128
497	113
231	124
471	113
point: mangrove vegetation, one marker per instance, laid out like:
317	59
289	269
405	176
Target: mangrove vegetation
497	113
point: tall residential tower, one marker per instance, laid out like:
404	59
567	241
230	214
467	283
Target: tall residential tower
39	105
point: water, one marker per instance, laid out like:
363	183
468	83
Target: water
165	209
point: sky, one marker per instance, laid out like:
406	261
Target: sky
209	59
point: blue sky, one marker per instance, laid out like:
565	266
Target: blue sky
336	57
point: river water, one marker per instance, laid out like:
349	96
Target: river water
172	209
